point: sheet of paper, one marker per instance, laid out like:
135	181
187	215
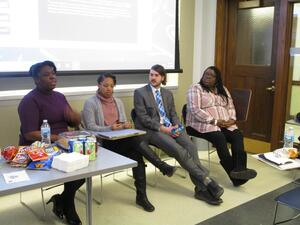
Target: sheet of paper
280	160
295	163
17	176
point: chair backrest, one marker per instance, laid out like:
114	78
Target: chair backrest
241	100
289	199
133	115
183	114
82	124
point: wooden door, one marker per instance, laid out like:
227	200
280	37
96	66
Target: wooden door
267	115
250	63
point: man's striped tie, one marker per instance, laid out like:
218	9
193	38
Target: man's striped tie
162	111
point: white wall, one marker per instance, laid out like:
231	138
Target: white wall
204	39
204	45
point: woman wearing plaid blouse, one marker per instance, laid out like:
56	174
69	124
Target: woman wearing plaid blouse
211	115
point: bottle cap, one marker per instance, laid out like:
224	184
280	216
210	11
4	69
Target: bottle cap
45	121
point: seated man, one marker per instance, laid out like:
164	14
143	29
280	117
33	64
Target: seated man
155	113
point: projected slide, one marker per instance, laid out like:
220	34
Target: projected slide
87	34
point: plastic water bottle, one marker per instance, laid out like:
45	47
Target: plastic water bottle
289	137
46	132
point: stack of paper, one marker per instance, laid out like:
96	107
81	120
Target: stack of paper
277	159
281	163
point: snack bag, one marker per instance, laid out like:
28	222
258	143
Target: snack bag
292	153
52	150
21	159
37	144
40	165
45	164
9	153
36	154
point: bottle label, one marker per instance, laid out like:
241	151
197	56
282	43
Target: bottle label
45	132
46	135
289	137
288	141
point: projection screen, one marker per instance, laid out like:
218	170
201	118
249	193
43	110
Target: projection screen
87	36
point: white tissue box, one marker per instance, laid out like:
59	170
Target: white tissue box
69	162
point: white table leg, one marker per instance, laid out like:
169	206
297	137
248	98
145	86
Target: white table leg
89	194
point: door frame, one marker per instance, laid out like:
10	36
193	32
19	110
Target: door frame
284	24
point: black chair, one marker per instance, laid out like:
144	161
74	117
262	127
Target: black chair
290	199
241	100
209	149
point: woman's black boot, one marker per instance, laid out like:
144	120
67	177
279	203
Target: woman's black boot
142	200
57	206
72	216
140	185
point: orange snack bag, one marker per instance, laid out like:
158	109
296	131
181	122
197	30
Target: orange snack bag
9	153
293	153
36	154
21	159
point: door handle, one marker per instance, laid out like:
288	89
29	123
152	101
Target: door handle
272	88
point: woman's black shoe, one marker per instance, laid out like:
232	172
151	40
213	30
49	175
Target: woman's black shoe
245	174
57	206
72	221
144	202
72	217
237	182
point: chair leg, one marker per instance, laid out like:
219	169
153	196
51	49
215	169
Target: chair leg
43	201
154	184
121	182
128	173
275	213
294	217
150	184
208	153
30	209
20	198
99	202
101	189
184	175
156	171
295	180
283	221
